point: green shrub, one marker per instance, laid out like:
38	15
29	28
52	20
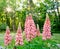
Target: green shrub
3	26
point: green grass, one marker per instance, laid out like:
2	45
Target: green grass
1	39
56	37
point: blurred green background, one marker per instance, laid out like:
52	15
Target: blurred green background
14	11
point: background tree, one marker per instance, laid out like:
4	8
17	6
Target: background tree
14	11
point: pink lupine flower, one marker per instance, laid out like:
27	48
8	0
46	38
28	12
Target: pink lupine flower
30	28
46	29
19	38
38	32
7	38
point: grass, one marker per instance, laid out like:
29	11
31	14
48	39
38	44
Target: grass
56	37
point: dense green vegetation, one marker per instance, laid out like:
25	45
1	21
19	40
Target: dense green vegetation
14	11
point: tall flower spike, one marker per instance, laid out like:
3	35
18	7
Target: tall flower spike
46	29
38	32
19	38
7	38
30	28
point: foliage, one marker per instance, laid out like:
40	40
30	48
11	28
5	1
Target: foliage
38	10
37	43
3	26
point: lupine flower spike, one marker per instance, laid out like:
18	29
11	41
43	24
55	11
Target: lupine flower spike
30	28
46	29
38	31
7	38
19	38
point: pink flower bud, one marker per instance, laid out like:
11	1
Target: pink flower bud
19	38
7	38
38	32
46	29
